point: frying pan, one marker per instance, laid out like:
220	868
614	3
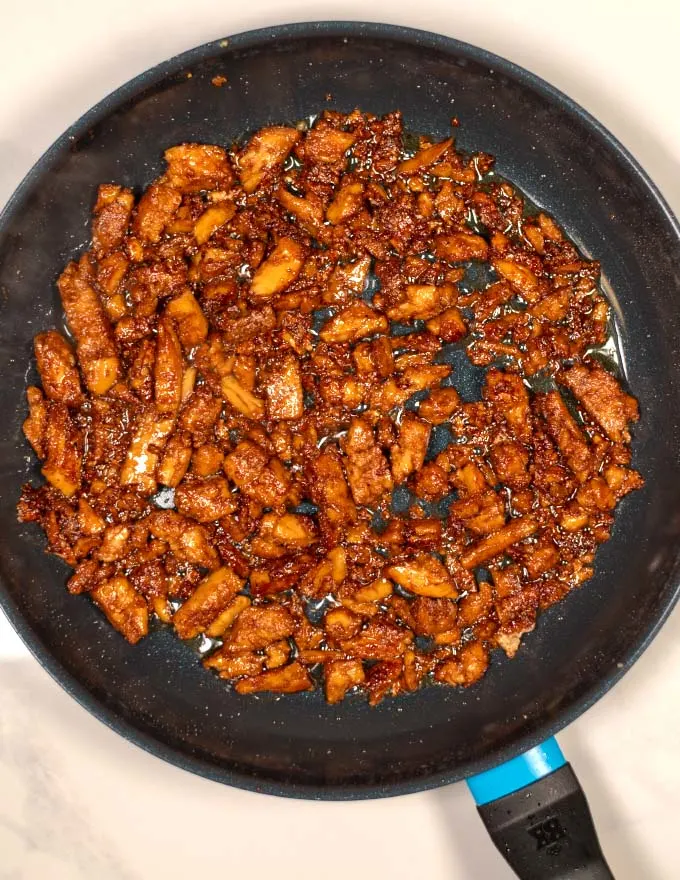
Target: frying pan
157	694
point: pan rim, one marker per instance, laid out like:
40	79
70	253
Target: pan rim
254	39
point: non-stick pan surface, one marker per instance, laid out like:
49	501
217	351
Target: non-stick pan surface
157	694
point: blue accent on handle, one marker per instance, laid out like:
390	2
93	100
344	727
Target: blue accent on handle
516	773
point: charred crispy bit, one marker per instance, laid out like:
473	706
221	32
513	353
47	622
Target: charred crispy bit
187	540
284	680
283	388
423	575
368	472
194	167
124	607
111	217
408	453
204	500
97	354
267	149
341	676
354	322
209	600
267	339
604	399
155	210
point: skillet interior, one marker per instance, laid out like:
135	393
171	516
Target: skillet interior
156	693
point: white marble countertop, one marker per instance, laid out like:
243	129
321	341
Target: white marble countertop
77	802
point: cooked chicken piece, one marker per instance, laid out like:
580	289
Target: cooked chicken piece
207	460
192	326
57	368
326	576
347	281
469	665
355	322
516	530
168	369
229	665
200	413
155	210
175	460
124	607
379	640
95	345
340	677
114	543
259	626
63	444
250	325
423	301
327	146
520	277
423	575
204	500
603	399
510	460
36	423
396	391
407	455
441	403
241	399
380	589
267	149
280	535
211	220
348	201
433	616
149	438
565	432
195	167
279	270
308	210
329	489
227	617
207	602
187	540
449	326
111	217
622	480
284	680
257	475
460	247
508	396
374	357
283	388
367	469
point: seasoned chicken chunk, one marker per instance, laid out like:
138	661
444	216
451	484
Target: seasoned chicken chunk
283	388
148	440
123	606
279	270
155	210
187	540
204	500
423	575
96	350
356	321
267	149
194	167
603	399
284	680
328	488
407	455
211	597
257	475
112	212
368	472
341	676
63	446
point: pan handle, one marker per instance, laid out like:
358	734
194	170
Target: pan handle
537	815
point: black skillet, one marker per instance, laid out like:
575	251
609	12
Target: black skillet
157	694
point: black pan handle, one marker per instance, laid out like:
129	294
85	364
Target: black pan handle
537	815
